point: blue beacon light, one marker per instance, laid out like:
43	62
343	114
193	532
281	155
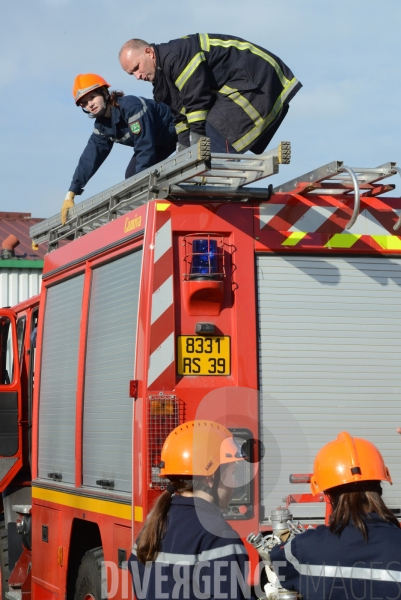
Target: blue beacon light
205	262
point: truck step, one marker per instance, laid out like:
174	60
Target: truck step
13	594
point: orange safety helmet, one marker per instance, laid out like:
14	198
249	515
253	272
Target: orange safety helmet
85	83
198	448
347	460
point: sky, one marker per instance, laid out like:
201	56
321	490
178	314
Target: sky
346	54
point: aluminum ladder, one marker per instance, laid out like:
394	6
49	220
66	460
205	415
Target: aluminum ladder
192	173
335	178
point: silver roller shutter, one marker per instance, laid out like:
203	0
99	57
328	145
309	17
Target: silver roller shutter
330	360
58	382
110	359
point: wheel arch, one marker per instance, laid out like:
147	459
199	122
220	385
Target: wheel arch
85	535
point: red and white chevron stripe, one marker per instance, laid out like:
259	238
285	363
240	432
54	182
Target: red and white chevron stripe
161	363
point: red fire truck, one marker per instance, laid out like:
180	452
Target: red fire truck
187	293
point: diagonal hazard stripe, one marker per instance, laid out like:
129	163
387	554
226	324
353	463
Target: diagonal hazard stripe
388	242
294	238
161	359
313	218
343	240
267	212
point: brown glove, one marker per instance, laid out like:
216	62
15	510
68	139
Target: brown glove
68	203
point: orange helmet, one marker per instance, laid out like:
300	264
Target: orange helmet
347	460
198	448
85	83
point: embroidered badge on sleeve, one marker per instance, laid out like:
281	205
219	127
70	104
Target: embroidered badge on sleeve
136	127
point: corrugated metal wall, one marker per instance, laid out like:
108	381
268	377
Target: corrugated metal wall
330	360
17	285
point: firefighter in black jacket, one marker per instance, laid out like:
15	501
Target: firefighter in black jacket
217	85
359	554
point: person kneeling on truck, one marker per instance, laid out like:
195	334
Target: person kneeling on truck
359	554
142	124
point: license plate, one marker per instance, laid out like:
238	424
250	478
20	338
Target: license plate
201	355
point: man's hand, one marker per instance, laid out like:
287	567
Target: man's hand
68	203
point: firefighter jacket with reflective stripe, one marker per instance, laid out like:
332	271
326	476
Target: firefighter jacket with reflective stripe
201	557
238	87
138	122
319	564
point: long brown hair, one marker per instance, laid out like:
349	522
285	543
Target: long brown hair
149	540
352	501
113	97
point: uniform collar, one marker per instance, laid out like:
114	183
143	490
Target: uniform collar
113	120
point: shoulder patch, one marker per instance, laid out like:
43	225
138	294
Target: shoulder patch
136	127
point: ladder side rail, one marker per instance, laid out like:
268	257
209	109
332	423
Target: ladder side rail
317	175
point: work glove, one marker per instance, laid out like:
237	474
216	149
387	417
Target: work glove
68	203
194	138
180	147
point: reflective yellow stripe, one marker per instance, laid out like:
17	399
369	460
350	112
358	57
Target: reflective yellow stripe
204	41
255	132
180	127
388	242
183	110
343	240
160	207
236	97
248	46
294	238
189	70
104	507
197	115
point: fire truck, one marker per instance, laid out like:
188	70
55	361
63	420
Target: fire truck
187	292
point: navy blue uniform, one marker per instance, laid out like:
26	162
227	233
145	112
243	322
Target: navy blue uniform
140	123
240	89
319	564
201	557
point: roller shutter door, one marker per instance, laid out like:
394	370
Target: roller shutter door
58	382
329	360
110	360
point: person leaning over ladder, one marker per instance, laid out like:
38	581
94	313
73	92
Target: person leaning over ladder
359	554
142	124
186	549
234	92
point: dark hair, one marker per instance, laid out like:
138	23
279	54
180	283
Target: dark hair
352	501
110	98
150	538
113	97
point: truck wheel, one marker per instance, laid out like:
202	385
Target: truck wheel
91	576
3	559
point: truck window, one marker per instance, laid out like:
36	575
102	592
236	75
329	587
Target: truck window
20	336
6	352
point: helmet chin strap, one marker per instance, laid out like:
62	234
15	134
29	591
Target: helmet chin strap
212	491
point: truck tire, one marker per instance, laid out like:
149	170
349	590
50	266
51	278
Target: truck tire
3	559
91	578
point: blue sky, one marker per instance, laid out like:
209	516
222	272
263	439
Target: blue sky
346	54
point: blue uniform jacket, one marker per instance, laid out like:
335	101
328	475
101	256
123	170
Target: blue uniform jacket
201	557
140	123
319	564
